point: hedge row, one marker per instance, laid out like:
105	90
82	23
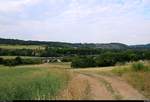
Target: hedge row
19	61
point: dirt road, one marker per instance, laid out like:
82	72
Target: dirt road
91	86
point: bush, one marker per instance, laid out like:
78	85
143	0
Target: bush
12	62
9	62
1	60
120	63
66	59
83	62
139	66
31	61
18	61
107	59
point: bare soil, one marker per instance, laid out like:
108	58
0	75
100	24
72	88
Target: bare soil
90	86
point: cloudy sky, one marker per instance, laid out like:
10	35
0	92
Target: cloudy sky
91	21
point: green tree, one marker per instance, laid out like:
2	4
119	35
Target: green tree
83	62
106	59
18	60
1	60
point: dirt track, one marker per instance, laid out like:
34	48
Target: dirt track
99	87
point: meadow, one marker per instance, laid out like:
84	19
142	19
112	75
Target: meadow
49	81
6	46
24	57
32	82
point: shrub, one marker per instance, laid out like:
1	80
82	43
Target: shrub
107	59
1	60
139	66
66	59
18	61
9	62
31	61
83	62
120	63
12	62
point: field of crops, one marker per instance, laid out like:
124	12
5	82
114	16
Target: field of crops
24	57
3	46
32	82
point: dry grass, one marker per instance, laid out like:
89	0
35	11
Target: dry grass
140	81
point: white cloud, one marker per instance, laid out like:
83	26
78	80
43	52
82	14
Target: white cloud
78	11
15	5
80	21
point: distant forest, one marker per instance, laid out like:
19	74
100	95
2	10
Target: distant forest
73	45
81	55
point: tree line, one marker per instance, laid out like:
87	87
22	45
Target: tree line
59	52
19	61
49	52
109	59
81	57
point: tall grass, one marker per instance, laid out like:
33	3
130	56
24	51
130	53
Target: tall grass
137	74
139	66
31	83
140	81
120	70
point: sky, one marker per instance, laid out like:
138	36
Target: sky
76	21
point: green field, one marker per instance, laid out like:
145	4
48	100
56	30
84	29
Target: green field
24	57
32	82
4	46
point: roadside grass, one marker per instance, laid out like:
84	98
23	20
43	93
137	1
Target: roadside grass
107	71
137	74
140	81
5	46
32	82
119	71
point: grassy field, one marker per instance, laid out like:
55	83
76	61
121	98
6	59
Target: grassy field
32	81
46	81
3	46
24	57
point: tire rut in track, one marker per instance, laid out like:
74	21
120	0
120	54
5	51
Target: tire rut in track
85	87
120	89
91	86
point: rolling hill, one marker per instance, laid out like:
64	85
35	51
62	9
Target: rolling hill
73	45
